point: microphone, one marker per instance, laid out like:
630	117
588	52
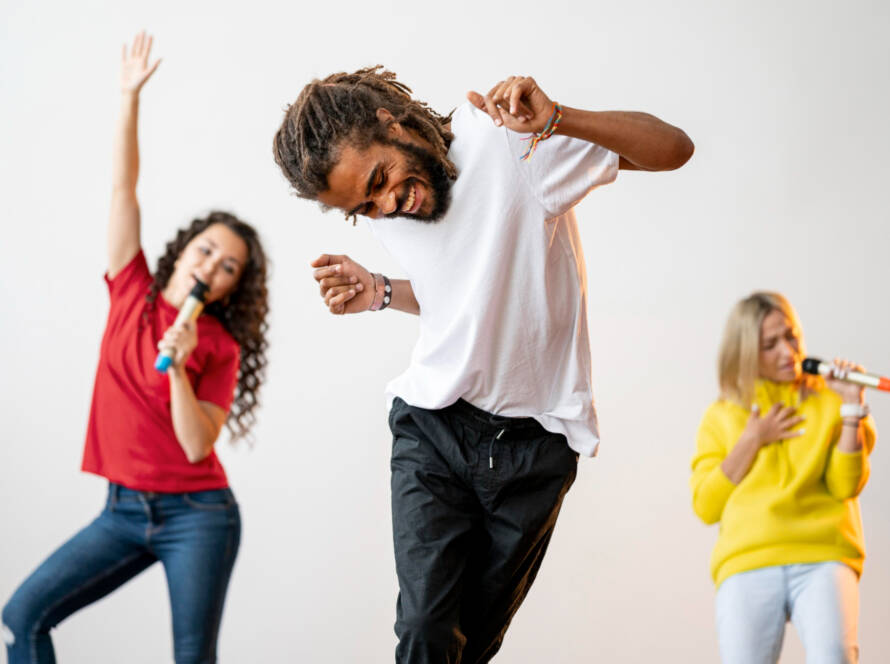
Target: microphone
813	365
190	310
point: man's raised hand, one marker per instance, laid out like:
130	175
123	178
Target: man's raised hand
516	103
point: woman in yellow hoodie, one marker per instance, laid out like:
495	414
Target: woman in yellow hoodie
780	460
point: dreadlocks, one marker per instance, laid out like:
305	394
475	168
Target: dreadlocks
344	107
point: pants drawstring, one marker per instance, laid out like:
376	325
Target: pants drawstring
491	448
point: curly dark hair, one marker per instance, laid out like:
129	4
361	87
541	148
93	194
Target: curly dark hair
344	106
243	314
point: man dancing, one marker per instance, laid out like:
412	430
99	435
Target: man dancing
489	418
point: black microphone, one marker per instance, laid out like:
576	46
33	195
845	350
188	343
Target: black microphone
813	365
190	310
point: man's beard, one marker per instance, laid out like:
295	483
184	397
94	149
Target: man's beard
426	165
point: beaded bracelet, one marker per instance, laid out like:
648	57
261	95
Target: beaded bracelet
546	133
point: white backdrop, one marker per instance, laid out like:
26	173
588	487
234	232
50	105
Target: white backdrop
788	105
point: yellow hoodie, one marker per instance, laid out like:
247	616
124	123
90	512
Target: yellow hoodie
798	503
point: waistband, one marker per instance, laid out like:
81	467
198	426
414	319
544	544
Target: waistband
486	421
119	492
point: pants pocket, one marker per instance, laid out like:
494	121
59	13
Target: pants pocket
214	499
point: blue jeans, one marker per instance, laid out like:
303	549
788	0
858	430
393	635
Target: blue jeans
194	535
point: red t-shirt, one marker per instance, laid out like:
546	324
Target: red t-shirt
130	437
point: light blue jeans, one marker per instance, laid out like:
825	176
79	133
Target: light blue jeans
821	599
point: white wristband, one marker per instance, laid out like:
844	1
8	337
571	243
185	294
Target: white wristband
859	410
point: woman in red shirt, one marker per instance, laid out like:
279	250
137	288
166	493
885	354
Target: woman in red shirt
152	434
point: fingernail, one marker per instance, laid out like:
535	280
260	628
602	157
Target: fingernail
359	287
801	431
498	122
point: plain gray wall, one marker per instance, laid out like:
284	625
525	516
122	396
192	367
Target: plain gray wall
787	104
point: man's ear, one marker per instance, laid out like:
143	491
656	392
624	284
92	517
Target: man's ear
393	128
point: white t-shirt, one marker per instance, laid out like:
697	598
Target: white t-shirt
501	281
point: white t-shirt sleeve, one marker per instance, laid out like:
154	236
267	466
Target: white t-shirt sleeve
563	170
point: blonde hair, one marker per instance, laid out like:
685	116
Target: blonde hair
738	361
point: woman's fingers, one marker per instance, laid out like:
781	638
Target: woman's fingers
151	70
179	341
176	333
785	422
842	367
135	67
791	423
786	413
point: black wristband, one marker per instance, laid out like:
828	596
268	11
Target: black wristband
387	293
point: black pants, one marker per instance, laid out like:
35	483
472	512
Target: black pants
474	502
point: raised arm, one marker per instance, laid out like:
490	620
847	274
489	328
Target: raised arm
642	141
123	224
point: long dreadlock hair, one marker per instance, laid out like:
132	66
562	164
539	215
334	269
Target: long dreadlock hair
242	313
344	107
